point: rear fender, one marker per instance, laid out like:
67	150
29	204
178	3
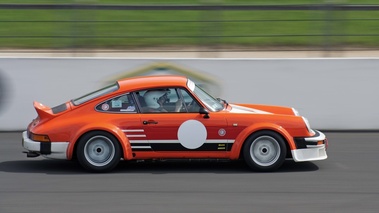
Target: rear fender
115	131
241	138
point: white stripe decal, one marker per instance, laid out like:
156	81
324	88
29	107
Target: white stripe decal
217	141
163	141
138	141
141	147
133	130
136	136
177	141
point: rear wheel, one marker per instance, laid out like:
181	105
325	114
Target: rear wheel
264	151
98	151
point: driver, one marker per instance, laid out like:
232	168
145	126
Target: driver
154	100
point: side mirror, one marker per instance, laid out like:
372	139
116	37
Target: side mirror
204	112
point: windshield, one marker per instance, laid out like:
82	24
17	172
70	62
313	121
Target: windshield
212	103
95	94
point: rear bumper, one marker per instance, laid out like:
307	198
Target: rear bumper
310	148
55	150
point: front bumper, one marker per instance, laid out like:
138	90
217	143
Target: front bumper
55	150
310	148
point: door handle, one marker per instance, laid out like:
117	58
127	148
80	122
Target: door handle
149	122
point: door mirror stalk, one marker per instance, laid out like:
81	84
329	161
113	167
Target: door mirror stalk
204	112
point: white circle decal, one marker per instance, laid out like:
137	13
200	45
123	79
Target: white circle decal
192	134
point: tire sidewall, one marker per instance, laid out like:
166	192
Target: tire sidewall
88	165
249	159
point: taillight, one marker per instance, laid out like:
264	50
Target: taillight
41	138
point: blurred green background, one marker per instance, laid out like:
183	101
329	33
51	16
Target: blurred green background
176	29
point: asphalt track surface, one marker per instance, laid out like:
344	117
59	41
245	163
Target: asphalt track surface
348	181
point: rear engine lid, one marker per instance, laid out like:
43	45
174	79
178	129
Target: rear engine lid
47	113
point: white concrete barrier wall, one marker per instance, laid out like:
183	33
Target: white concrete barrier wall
334	94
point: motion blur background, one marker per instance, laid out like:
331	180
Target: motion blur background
319	56
133	26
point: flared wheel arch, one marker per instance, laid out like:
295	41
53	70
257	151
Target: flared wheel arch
122	145
265	130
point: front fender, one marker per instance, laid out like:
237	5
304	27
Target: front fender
241	138
115	131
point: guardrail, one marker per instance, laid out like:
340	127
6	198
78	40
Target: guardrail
211	28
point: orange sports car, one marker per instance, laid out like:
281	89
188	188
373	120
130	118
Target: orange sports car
169	117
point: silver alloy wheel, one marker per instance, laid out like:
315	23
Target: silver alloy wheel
99	150
265	150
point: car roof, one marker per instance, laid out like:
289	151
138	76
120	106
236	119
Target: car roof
142	82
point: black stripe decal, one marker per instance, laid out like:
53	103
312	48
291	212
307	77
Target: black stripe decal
178	147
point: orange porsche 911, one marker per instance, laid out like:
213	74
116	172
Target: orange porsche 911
169	117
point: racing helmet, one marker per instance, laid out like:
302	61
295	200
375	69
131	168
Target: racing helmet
151	98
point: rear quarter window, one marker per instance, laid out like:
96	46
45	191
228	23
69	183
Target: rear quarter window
120	104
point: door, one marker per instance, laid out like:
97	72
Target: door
178	126
185	132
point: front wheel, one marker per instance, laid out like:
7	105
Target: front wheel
264	151
98	151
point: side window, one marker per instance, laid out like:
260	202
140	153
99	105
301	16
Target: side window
119	104
161	100
189	103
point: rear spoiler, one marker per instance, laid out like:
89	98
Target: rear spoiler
44	112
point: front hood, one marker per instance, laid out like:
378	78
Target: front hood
242	110
261	109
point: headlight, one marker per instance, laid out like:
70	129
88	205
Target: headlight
295	112
307	125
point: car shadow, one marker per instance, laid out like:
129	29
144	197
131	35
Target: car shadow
61	167
45	166
205	166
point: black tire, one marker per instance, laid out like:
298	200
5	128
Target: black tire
264	151
98	151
